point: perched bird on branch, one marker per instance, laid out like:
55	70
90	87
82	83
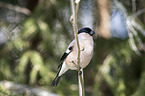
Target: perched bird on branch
69	58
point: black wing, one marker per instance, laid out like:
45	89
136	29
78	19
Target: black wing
69	50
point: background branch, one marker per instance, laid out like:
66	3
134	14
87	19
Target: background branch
15	8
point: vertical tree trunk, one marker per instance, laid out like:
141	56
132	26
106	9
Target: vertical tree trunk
104	25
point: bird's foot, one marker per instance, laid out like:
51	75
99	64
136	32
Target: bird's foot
80	71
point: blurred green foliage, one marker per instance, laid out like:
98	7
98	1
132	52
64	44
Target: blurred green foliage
33	55
4	92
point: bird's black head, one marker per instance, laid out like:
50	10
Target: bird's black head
86	30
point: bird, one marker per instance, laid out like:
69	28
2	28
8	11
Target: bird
69	58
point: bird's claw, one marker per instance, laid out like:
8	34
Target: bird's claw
80	72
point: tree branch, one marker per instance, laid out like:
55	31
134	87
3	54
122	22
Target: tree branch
74	23
132	27
15	8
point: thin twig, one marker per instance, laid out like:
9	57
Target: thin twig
80	76
76	35
131	40
132	26
73	14
136	36
133	6
140	12
138	27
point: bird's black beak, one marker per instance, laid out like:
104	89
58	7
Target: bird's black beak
92	33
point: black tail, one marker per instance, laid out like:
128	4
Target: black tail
55	81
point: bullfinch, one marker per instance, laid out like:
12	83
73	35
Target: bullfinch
69	58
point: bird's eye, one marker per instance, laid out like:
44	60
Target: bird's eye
92	33
70	48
